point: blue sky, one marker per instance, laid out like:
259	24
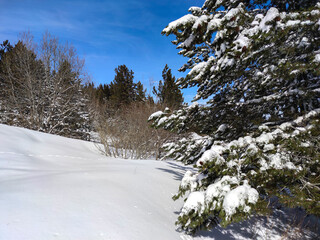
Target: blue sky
105	33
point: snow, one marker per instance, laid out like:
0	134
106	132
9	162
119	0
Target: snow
305	144
218	2
234	12
194	9
242	41
265	138
189	179
214	24
193	105
187	19
58	188
213	153
220	188
263	128
155	115
268	147
293	23
162	120
222	128
188	41
312	113
271	15
308	22
199	69
279	161
195	202
200	21
238	197
252	149
285	126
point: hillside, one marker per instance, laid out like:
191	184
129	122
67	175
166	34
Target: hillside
58	188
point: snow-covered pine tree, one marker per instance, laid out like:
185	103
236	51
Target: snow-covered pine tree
43	92
66	105
21	87
70	115
257	63
4	48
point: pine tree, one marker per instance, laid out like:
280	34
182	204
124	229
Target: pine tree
22	85
66	105
122	87
257	63
43	91
168	91
70	116
102	93
5	47
140	92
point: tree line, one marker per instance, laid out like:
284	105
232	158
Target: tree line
45	87
41	87
121	112
123	90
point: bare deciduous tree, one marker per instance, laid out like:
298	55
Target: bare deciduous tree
127	133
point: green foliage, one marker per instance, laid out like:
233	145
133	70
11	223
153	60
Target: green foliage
122	87
168	91
120	92
257	137
140	92
251	68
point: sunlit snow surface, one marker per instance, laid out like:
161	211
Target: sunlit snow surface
58	188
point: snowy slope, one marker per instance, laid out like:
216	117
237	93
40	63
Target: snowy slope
53	187
59	188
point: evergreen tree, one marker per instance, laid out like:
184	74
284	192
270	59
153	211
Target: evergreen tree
168	91
43	92
122	87
140	93
102	93
70	116
120	92
5	47
22	87
66	105
89	89
257	63
150	100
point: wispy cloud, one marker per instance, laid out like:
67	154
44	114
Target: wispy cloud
107	33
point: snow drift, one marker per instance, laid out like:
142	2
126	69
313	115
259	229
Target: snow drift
58	188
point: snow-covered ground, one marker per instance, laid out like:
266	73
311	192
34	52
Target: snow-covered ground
53	187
